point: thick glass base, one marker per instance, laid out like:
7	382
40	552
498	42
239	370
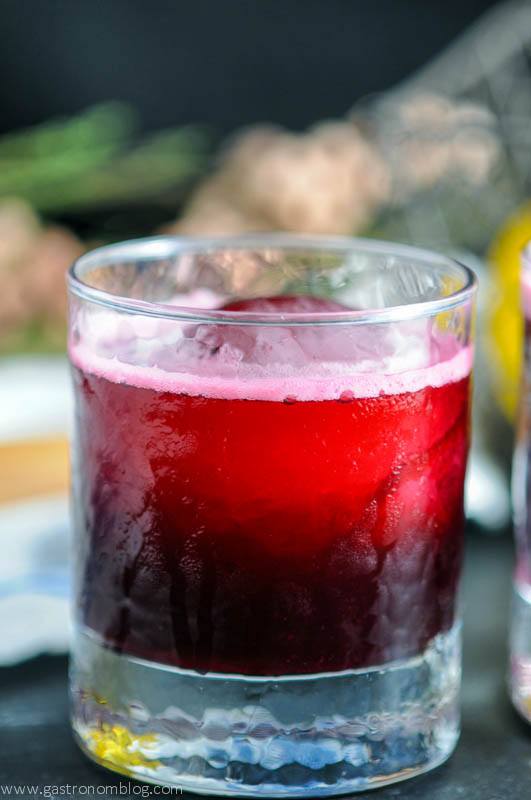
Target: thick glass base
520	645
296	736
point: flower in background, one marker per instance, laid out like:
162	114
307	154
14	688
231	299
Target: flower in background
328	180
33	261
428	138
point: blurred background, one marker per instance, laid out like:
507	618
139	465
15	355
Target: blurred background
399	119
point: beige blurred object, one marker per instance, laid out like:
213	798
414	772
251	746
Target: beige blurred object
55	250
19	227
328	180
424	110
33	261
428	138
33	467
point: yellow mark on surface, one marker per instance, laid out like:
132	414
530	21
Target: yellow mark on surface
120	748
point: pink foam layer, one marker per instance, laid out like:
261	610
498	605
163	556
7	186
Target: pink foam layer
300	386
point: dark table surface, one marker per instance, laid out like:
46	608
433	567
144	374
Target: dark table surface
492	760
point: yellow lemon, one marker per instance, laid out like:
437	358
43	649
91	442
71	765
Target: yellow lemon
504	317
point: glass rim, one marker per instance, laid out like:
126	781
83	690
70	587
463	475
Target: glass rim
162	247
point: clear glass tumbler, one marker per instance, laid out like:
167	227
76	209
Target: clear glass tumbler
270	447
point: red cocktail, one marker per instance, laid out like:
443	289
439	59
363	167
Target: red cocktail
270	537
269	500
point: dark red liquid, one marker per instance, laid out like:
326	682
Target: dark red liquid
267	537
